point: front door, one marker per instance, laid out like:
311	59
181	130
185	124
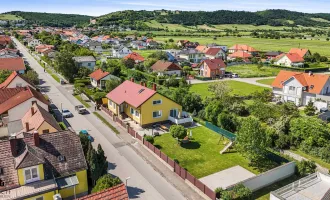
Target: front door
174	113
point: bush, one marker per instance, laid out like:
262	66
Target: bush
178	131
104	182
202	78
305	167
218	191
149	138
83	81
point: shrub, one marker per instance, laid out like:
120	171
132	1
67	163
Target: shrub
218	191
83	81
149	138
104	182
178	131
305	167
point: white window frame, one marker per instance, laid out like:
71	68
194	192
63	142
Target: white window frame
159	111
292	88
32	179
160	102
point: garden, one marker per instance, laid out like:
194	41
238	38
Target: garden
253	70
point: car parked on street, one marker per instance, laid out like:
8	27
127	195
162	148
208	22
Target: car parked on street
66	113
85	132
80	109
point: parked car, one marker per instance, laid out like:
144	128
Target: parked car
228	75
80	109
85	132
66	113
234	75
323	110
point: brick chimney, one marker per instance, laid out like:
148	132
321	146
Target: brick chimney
154	87
13	146
32	110
27	126
141	83
36	138
132	79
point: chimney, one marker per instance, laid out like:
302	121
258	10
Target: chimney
32	110
141	83
145	84
310	73
154	87
132	79
27	126
36	138
13	146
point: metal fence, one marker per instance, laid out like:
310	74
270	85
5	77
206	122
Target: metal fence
231	136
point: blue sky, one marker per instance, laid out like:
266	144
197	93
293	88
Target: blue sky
100	7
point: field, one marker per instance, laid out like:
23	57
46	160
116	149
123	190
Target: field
251	70
267	81
238	88
320	46
9	17
144	53
201	156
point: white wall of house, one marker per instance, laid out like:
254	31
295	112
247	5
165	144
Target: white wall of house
34	43
18	82
89	65
170	73
19	111
284	61
97	49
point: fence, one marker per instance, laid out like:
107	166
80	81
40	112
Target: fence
223	132
181	172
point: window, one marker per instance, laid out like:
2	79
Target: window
137	114
45	131
31	174
157	114
156	102
110	102
89	64
132	111
292	88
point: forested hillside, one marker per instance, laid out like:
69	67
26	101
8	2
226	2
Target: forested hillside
52	19
135	19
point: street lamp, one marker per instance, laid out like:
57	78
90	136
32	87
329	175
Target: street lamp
127	180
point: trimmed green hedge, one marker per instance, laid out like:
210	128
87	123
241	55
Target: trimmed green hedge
202	78
84	81
312	69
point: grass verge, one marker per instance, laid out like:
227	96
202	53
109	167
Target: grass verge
268	81
106	122
82	101
62	125
310	157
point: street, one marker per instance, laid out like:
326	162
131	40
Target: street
144	182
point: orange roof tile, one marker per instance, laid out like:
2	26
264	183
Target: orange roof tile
202	48
295	58
98	74
240	54
11	77
161	66
12	64
117	192
243	47
134	56
300	52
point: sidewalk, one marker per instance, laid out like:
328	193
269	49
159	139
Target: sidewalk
156	164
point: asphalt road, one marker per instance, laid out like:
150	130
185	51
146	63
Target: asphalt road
144	181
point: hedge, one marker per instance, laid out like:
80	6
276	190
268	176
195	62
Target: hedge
310	69
202	78
84	81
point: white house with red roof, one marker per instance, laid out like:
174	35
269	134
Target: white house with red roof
13	64
99	78
15	80
213	53
289	60
300	88
301	52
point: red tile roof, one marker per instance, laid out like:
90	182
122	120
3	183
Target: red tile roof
240	54
317	80
242	47
165	66
98	74
295	58
131	93
134	56
11	97
215	63
212	51
12	64
4	40
202	48
117	192
11	77
300	52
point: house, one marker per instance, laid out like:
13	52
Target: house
212	68
172	54
143	105
15	102
99	78
135	56
43	46
9	53
289	60
213	53
13	64
85	61
243	47
151	44
138	45
130	38
301	52
4	41
300	88
214	45
34	42
95	46
181	43
117	192
45	52
239	54
47	166
202	48
120	51
15	80
166	68
37	119
315	186
272	54
191	55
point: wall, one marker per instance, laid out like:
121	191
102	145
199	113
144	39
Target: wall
173	72
46	196
269	177
18	80
85	64
127	110
45	126
80	188
111	108
93	82
148	108
20	173
19	111
284	61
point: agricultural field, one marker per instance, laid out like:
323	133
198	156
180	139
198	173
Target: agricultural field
9	17
251	70
238	88
320	46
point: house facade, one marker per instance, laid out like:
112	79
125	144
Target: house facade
192	55
300	88
212	68
289	60
243	47
120	52
16	80
166	68
213	53
34	42
99	78
95	46
85	61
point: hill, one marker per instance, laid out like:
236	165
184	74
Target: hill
139	19
9	17
50	19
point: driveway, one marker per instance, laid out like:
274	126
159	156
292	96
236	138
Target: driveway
124	162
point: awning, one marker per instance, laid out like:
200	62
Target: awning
67	182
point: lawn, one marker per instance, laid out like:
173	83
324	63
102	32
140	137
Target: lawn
145	53
267	81
238	88
9	17
201	156
315	159
283	44
251	70
82	101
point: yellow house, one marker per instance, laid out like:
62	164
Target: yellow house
42	167
143	105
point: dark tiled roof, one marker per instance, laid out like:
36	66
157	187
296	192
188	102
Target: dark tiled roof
165	66
28	158
9	175
117	192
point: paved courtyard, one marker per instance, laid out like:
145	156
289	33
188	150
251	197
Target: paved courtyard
227	177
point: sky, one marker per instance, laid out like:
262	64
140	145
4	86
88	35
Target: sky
101	7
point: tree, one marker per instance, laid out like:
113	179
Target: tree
170	40
84	72
11	45
221	90
305	168
32	76
148	63
85	143
227	122
310	109
112	84
65	65
159	55
251	139
178	131
186	70
212	111
106	181
98	96
260	65
4	75
263	96
129	63
98	163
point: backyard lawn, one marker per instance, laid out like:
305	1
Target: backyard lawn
251	70
267	81
145	53
238	88
201	156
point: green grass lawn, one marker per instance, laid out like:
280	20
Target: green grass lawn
9	17
171	27
249	71
315	159
267	81
238	88
145	53
201	156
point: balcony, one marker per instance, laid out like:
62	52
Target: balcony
185	118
